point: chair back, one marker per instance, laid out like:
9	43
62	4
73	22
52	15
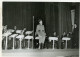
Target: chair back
28	32
23	31
19	31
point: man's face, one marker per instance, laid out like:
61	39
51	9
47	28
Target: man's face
64	33
54	33
15	27
75	25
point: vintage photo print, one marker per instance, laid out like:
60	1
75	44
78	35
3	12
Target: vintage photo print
40	29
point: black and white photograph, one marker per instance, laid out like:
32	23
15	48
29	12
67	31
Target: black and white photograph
40	29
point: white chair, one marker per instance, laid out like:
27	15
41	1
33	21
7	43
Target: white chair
21	36
13	36
6	36
29	37
66	39
53	38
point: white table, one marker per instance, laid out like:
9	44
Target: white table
13	36
53	38
66	39
6	35
29	37
20	37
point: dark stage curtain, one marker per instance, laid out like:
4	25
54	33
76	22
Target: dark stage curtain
79	24
65	24
17	14
51	17
58	19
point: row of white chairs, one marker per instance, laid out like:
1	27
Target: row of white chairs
56	39
17	35
20	36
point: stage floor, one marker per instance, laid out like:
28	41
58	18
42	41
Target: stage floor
41	53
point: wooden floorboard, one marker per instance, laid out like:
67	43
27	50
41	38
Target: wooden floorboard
41	53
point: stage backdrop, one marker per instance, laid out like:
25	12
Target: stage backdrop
21	14
18	14
58	18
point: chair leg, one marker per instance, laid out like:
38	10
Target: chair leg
42	45
39	45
